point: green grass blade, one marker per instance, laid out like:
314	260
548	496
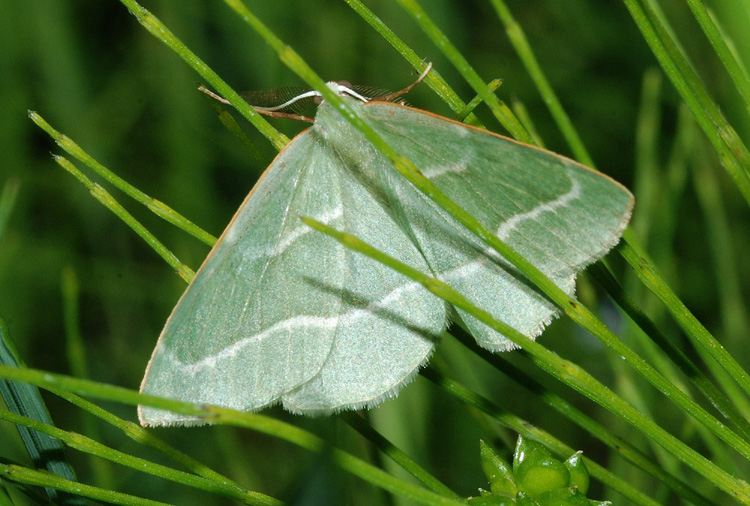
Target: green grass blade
677	356
561	369
523	49
434	80
732	152
110	203
626	450
251	421
23	475
387	448
228	121
75	348
523	116
23	399
719	41
76	355
648	274
156	28
500	111
647	176
464	113
91	447
157	207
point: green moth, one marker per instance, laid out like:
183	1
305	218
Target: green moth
279	313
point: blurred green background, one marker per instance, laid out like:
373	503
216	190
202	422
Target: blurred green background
96	75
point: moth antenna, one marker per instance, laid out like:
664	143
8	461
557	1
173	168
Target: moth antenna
390	97
279	114
214	95
260	110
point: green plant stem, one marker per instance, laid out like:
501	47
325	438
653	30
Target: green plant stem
434	80
157	207
648	274
89	446
231	124
523	116
602	274
146	437
387	448
525	53
7	200
75	352
156	28
19	474
713	33
110	203
74	346
503	114
732	152
564	370
252	421
566	409
528	429
468	110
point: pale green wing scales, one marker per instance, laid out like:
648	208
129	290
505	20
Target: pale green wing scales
280	313
391	324
275	302
559	214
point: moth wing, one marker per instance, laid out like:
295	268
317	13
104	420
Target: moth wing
558	214
390	324
232	339
273	297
